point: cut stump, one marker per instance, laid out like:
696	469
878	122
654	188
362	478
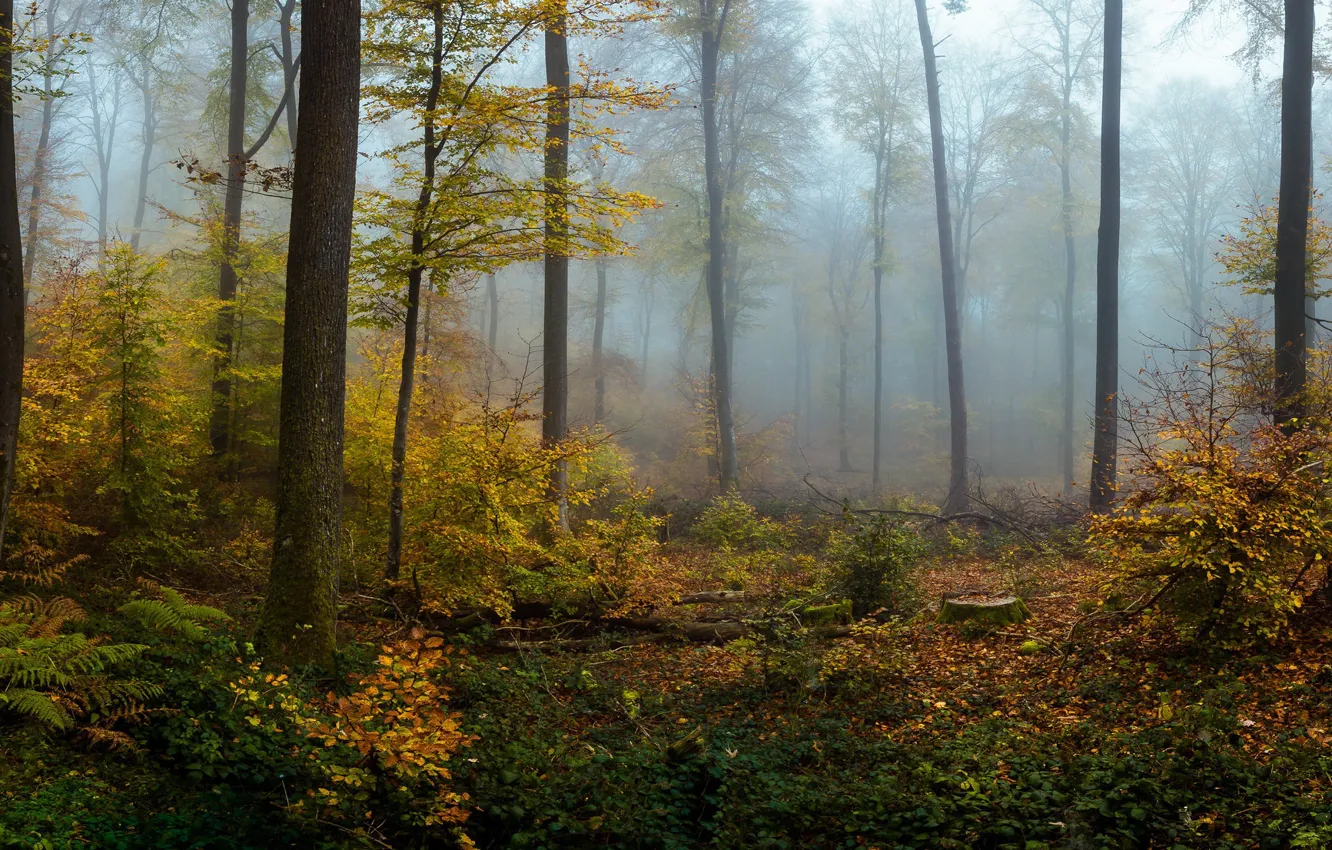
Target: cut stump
986	608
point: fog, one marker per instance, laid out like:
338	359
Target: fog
141	94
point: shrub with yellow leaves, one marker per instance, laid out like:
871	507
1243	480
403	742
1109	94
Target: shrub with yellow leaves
1227	516
379	754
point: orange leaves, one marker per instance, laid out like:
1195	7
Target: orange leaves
398	721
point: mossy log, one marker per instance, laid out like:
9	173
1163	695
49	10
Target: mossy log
984	608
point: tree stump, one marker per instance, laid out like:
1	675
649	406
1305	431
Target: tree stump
986	608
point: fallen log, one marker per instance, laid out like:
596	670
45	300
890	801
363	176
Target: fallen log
715	632
712	596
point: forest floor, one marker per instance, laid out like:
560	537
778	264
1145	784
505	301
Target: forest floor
899	734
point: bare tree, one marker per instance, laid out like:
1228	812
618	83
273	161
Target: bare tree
1065	57
1185	175
876	77
959	495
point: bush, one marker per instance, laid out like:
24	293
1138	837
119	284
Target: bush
874	564
732	524
1228	512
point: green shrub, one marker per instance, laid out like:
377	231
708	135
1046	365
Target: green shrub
732	524
874	564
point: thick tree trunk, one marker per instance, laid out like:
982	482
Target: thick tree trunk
714	23
1293	210
300	609
555	342
1105	440
958	490
598	335
12	300
219	426
146	156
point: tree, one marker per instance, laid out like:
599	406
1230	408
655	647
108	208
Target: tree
1293	209
1186	178
979	111
555	333
299	612
712	26
1068	63
841	216
13	300
1105	440
876	78
958	491
238	162
457	209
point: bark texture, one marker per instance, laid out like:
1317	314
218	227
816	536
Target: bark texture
300	609
12	300
1293	209
1105	441
555	332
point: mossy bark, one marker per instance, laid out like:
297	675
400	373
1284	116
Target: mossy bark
299	614
997	611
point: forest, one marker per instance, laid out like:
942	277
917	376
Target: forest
665	424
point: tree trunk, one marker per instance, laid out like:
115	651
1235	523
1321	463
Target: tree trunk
1070	281
713	26
1105	440
219	428
843	373
286	11
598	334
649	303
958	491
1293	210
800	356
299	613
555	345
407	381
12	299
146	157
492	296
42	152
879	200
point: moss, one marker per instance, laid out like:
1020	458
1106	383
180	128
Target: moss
827	615
1031	647
1003	611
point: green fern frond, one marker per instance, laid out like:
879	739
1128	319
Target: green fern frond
172	613
194	612
36	705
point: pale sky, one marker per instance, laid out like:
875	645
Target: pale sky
1150	59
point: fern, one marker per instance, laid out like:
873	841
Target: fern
54	678
172	613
